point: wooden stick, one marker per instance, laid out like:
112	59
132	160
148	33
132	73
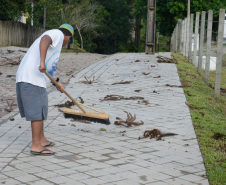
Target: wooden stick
65	92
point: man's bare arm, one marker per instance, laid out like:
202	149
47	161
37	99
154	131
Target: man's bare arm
44	44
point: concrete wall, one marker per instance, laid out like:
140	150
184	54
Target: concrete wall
18	34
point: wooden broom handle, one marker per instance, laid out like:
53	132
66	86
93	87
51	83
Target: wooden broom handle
91	108
65	92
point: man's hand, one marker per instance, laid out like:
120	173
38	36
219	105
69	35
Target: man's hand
62	88
42	68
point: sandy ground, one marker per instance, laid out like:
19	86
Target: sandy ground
69	63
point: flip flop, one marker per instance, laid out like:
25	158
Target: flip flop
50	144
41	153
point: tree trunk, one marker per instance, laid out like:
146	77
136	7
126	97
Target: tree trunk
80	38
136	32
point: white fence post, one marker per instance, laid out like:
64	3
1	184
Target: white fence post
176	34
174	40
187	36
185	33
179	35
208	49
219	52
201	42
182	38
190	38
196	38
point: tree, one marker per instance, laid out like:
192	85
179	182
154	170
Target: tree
116	28
11	10
83	16
140	13
169	11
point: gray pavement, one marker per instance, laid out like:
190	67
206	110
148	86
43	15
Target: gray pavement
86	155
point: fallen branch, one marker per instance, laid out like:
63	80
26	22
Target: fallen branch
22	51
67	104
118	97
155	133
90	81
157	76
191	106
145	73
10	105
178	85
126	82
129	121
81	100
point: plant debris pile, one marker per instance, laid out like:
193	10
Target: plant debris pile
177	85
13	63
118	97
126	82
219	136
67	104
10	105
155	133
191	106
162	59
89	81
129	121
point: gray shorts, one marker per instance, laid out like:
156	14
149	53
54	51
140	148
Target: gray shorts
32	101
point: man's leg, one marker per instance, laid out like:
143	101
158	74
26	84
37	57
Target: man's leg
43	139
36	127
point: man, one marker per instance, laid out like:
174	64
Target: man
31	81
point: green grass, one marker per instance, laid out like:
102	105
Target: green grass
163	44
73	50
214	120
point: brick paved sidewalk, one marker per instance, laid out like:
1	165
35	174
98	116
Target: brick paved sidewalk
86	155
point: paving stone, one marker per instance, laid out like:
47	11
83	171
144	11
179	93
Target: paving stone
9	182
27	178
61	179
93	181
42	182
191	178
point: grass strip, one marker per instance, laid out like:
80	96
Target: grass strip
208	116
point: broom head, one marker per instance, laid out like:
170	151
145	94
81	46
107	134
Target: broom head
89	116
